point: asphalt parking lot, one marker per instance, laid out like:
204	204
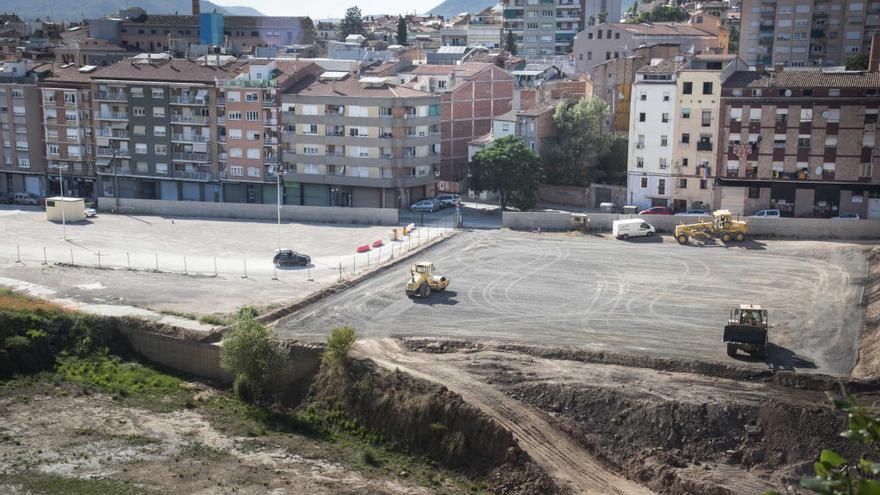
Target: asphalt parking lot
648	295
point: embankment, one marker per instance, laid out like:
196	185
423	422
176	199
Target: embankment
869	342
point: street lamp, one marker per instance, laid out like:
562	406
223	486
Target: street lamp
278	181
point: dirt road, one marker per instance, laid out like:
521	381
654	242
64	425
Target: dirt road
551	449
645	297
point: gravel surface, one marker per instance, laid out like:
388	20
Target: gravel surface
650	296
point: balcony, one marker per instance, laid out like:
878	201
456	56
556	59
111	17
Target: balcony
182	174
188	100
704	146
189	119
270	122
221	101
270	158
112	133
111	116
332	133
111	96
270	102
270	140
190	138
189	156
110	152
732	172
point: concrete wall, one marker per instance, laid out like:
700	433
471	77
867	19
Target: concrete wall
323	214
803	228
195	358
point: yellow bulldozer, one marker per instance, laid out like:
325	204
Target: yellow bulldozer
423	280
721	225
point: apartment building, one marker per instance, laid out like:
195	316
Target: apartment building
547	27
696	118
472	94
652	132
155	127
359	142
802	141
800	33
68	128
249	131
22	154
606	41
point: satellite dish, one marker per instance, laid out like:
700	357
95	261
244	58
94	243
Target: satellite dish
787	92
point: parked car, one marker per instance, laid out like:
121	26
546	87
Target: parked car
772	213
429	205
633	227
448	200
91	212
848	216
694	213
657	210
289	257
21	198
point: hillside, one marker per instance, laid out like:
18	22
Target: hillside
71	10
450	8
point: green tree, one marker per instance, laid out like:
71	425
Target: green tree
339	345
401	30
602	17
352	23
591	21
836	475
662	13
733	45
510	45
509	168
582	138
857	62
258	364
611	167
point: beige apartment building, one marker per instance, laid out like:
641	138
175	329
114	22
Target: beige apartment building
800	33
249	132
22	155
359	142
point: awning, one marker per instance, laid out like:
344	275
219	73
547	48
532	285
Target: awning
102	162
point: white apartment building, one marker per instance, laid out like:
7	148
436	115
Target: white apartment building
652	128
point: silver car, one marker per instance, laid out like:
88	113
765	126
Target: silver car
429	205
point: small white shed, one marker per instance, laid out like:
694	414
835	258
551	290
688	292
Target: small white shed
66	209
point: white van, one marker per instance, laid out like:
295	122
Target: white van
633	227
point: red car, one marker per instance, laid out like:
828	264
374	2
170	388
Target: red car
657	210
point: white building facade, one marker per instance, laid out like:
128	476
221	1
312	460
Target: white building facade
652	127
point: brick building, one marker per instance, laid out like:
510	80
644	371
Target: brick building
802	141
472	94
22	153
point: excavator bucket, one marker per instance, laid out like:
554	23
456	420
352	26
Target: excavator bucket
745	334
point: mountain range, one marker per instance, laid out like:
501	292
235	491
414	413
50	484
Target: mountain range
75	10
451	8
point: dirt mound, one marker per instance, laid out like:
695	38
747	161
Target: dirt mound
869	342
427	419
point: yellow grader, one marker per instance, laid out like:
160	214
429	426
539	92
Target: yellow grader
721	225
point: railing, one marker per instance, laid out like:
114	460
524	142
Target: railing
193	175
112	133
270	102
110	96
190	138
119	152
188	156
732	172
267	122
704	146
189	119
270	158
221	100
335	153
270	140
111	116
332	133
187	100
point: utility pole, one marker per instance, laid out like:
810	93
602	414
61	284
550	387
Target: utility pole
278	181
63	207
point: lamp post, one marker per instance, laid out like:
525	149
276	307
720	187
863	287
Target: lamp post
63	215
278	181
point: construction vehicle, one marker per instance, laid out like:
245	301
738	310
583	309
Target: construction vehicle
721	225
746	329
423	280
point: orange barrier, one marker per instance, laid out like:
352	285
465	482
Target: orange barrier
364	248
378	243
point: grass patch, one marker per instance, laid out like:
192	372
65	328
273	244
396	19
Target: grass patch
50	484
181	314
198	451
214	320
13	301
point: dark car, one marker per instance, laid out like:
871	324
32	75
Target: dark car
289	257
657	210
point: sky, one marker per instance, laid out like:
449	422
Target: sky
322	9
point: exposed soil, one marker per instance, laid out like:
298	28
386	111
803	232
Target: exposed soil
869	343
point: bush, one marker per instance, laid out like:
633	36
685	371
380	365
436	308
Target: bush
339	345
242	389
247	313
254	359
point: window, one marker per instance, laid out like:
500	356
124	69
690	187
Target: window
868	140
643	182
158	111
138	111
640	162
233	96
707	88
360	111
643	96
159	130
832	115
310	150
252	116
779	141
160	149
682	183
666	96
687	88
140	148
684	162
685	138
664	141
235	152
830	141
310	168
754	114
642	117
834	92
310	129
661	186
704	184
234	134
52	149
662	164
664	118
804	141
754	192
136	92
233	115
236	170
871	116
250	96
310	109
866	169
806	114
736	114
253	153
24	163
640	142
706	120
138	130
158	92
685	113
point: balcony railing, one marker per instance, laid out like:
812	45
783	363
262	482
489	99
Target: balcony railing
270	158
119	152
704	146
270	102
111	116
182	174
270	122
189	119
189	156
111	96
190	138
112	133
187	100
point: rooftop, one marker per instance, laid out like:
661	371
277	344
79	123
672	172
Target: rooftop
660	29
666	66
177	70
349	86
805	78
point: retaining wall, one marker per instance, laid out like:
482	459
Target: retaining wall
802	228
320	214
